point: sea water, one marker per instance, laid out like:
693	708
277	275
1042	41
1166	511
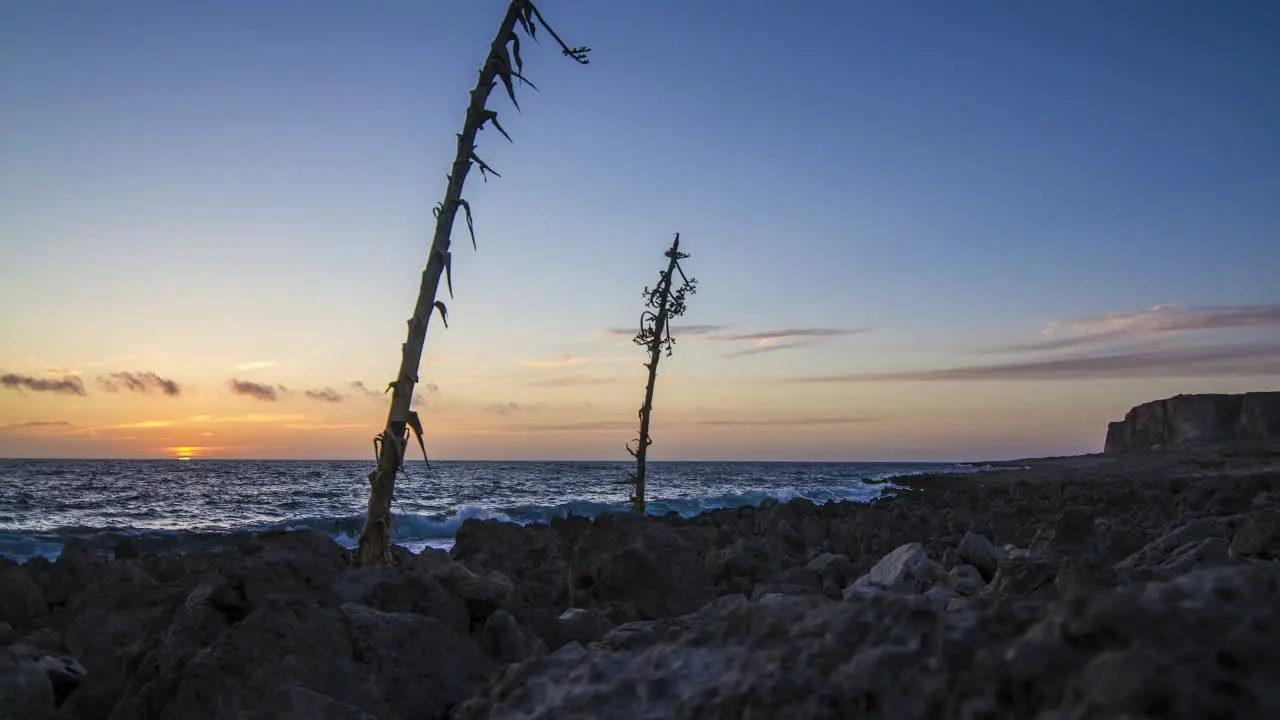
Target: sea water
171	505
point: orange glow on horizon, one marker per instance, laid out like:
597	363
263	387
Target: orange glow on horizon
186	452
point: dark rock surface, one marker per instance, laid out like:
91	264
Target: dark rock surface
1205	418
1140	587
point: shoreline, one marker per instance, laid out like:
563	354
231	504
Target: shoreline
1015	592
419	527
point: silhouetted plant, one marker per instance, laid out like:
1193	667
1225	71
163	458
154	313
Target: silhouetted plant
503	64
663	303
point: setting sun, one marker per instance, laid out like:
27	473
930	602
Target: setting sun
186	453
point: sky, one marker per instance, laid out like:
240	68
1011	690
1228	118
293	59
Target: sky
921	230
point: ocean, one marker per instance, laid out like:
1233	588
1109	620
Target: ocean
171	505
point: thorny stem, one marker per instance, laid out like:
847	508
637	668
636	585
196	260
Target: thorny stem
375	538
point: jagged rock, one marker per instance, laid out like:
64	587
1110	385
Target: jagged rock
411	589
1157	552
25	688
505	641
1071	532
940	595
580	625
1205	553
748	558
280	564
787	589
795	657
300	703
981	553
1023	576
1258	538
389	665
965	579
659	571
907	569
103	620
835	572
34	682
22	603
77	567
483	594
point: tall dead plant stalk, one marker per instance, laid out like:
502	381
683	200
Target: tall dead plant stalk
502	64
663	302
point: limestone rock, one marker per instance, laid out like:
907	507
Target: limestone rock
1208	418
907	569
981	553
835	572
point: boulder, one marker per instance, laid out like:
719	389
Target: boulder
25	689
907	569
1158	551
77	567
747	558
834	571
483	595
1259	537
580	625
506	642
402	589
965	579
981	553
658	570
22	602
34	682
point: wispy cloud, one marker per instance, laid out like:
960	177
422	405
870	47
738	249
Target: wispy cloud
787	334
1239	360
140	382
584	426
255	365
556	362
258	391
1158	320
779	422
36	425
580	379
630	425
142	425
502	408
675	330
324	395
66	385
768	347
363	389
763	341
324	425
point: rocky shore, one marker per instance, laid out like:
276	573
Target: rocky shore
1143	585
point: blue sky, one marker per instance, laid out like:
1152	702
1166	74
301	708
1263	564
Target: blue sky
193	189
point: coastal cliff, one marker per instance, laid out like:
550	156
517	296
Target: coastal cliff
1197	418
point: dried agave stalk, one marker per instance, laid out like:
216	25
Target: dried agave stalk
503	64
663	303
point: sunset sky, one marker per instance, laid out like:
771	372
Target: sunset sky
921	230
